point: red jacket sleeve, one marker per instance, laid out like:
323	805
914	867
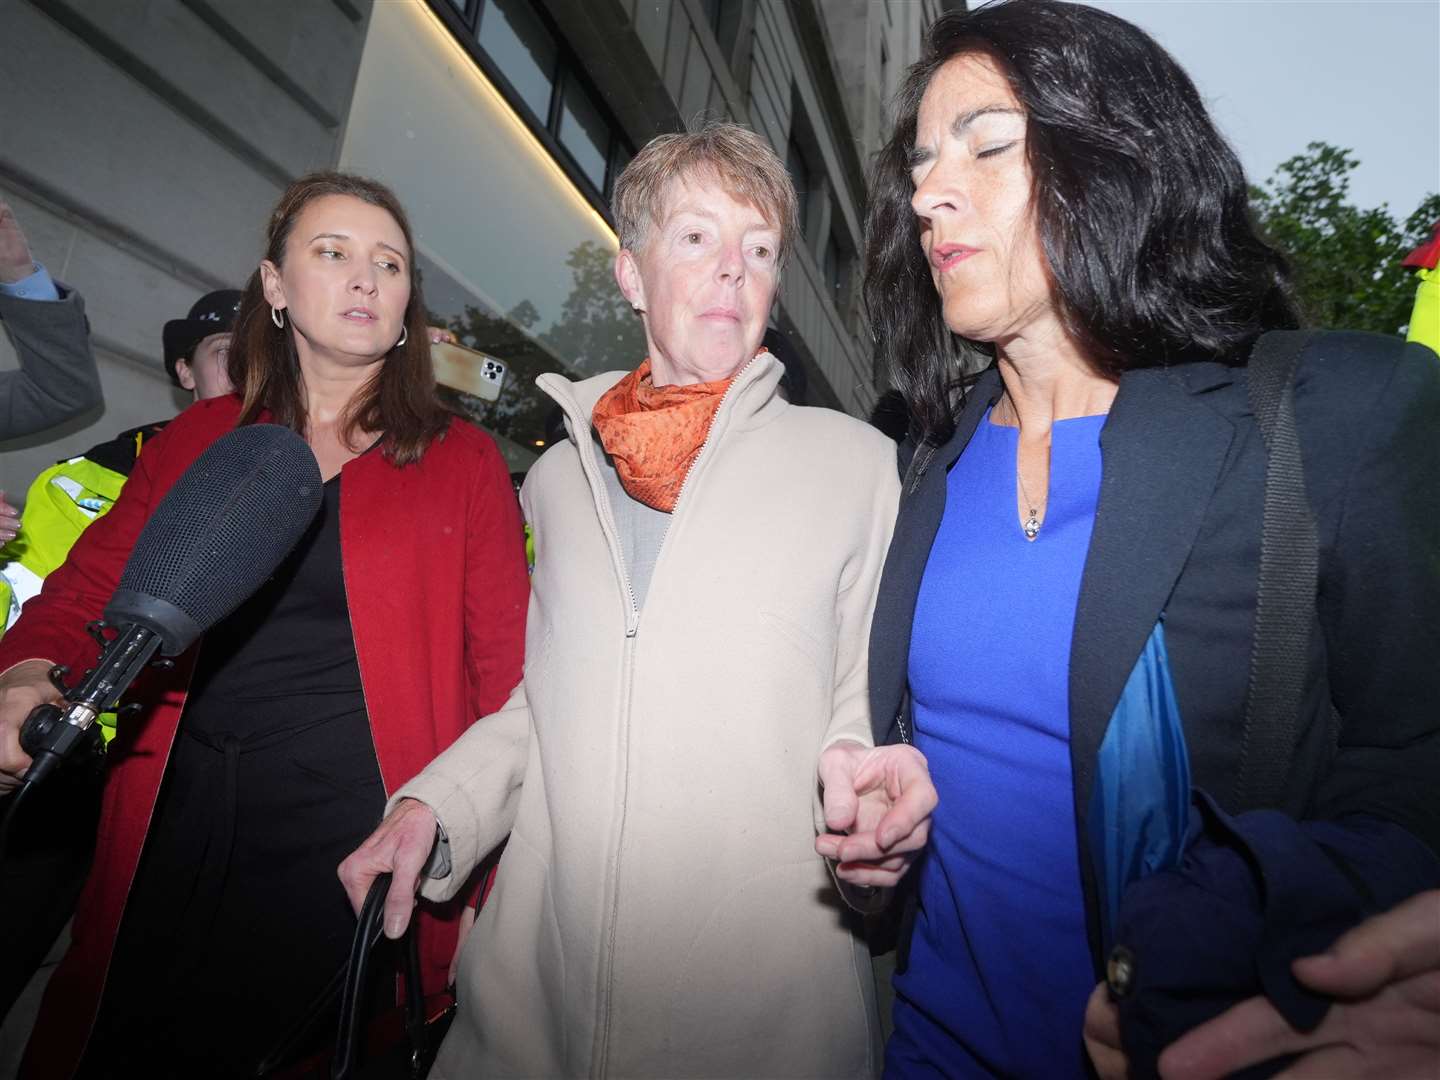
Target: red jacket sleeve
497	587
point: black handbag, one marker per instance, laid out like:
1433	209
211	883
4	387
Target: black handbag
392	1045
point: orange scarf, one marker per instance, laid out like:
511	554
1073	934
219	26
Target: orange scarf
655	433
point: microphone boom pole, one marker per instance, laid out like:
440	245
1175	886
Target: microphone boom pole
52	734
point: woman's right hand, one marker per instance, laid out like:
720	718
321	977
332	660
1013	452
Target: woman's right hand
399	847
23	687
9	521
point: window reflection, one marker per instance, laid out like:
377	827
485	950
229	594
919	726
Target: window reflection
596	331
514	38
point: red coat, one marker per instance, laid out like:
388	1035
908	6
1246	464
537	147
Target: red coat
434	569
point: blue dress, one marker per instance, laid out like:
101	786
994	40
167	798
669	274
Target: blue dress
999	969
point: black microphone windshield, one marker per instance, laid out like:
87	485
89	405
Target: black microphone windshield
218	534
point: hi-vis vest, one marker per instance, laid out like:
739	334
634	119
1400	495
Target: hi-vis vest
1425	317
62	501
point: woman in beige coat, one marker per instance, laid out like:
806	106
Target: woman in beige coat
705	570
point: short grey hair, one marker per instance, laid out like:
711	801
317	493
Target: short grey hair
742	162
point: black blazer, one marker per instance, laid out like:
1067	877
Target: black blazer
1177	530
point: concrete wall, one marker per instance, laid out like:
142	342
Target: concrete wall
142	144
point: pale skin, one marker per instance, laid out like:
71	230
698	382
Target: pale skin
343	256
972	197
1385	977
204	373
16	262
9	521
704	279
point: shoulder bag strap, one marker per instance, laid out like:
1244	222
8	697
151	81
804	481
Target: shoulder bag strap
1289	569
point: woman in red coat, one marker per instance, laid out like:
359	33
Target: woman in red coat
213	914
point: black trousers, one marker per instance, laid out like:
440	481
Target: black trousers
237	919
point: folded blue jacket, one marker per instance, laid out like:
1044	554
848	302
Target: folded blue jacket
1253	892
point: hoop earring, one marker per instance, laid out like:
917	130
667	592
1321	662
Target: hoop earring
404	337
277	318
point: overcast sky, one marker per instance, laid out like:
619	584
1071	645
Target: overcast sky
1277	74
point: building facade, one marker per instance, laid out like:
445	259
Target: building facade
143	142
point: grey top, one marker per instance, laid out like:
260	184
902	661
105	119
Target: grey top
57	379
642	528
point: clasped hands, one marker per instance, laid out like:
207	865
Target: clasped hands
878	801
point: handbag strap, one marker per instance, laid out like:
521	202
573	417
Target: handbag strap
1289	571
349	984
357	979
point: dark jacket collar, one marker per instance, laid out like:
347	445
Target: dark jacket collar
1162	448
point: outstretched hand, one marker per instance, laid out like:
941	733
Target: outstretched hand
1385	1022
399	847
878	801
16	262
9	521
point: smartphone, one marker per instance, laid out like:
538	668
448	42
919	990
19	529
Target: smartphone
468	370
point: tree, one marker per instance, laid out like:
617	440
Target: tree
1346	260
597	330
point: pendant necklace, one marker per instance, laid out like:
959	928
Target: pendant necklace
1032	522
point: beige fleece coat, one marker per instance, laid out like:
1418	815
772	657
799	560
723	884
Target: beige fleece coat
660	910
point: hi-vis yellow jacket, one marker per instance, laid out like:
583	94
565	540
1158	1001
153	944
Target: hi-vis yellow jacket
62	501
1425	316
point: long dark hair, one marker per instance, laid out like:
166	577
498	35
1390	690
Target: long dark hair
399	400
1141	206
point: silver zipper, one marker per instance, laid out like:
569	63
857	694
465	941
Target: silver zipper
607	516
601	1050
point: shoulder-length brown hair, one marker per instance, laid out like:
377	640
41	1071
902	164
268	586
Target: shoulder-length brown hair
399	400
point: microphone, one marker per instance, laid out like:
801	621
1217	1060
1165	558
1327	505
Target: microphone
220	531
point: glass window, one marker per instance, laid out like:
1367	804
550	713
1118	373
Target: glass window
800	177
584	133
530	281
724	18
514	38
620	156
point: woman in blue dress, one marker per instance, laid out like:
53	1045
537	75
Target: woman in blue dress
1082	519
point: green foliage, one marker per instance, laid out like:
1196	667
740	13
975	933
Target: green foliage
1346	260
